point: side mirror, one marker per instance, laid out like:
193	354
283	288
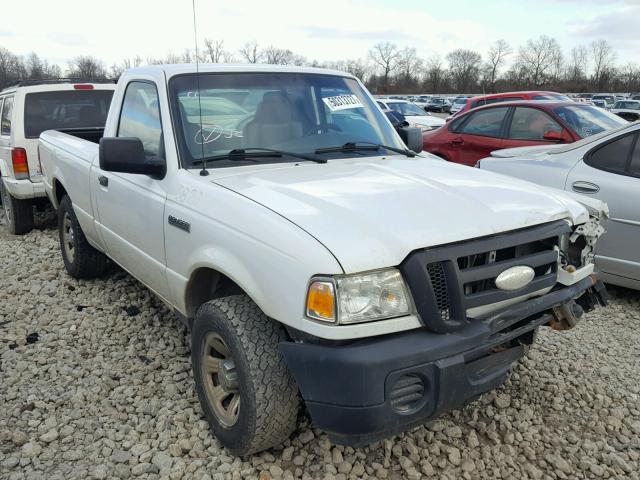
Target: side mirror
412	138
553	135
126	155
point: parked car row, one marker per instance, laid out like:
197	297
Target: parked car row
315	258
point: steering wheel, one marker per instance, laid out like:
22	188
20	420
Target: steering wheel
325	127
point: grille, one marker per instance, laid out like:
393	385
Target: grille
439	285
407	393
448	281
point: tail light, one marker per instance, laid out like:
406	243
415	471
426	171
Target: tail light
83	86
20	165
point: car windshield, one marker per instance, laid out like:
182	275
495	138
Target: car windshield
586	120
406	108
290	112
628	105
65	109
460	101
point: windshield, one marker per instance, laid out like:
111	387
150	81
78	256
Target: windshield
586	120
628	105
291	112
460	101
65	109
407	109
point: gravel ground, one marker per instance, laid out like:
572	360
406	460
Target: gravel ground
95	382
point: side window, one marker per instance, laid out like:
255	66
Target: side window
634	166
613	156
140	117
531	124
382	105
487	123
5	118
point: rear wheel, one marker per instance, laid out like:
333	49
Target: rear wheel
18	213
81	260
247	394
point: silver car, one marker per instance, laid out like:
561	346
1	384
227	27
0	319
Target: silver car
605	166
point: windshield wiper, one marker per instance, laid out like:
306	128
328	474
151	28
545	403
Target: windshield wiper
255	153
364	146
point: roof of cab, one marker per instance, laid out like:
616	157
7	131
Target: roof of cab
171	70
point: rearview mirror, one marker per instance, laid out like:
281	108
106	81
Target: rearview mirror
412	138
553	135
126	155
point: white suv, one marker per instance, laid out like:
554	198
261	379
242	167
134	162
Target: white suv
26	110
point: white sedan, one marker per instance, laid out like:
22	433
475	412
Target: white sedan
415	115
627	109
605	166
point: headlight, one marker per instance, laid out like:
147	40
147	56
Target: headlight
358	298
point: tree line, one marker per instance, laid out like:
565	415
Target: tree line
540	63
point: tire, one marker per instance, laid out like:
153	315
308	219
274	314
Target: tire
267	404
81	260
19	213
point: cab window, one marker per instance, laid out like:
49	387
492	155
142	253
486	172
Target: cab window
487	123
531	124
140	117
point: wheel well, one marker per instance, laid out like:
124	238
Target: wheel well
58	191
206	284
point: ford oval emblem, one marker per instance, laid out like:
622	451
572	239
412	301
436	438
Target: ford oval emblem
515	278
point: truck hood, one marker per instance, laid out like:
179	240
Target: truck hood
371	213
529	152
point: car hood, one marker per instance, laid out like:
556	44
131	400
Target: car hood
425	120
371	213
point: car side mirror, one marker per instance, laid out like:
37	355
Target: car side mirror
126	155
553	135
412	138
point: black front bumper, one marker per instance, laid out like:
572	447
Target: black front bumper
373	388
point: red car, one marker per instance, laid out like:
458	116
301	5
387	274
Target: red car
475	134
483	100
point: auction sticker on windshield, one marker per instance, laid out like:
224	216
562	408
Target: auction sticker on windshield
342	102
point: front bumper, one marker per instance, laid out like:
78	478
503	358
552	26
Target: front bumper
370	389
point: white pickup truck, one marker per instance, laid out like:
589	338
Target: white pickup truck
314	257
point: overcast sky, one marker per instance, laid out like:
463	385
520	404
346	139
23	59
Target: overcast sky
325	30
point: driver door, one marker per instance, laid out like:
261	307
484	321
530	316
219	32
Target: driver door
131	207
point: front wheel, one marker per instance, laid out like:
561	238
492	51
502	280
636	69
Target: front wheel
81	260
18	213
247	394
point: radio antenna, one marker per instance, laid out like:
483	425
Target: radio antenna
204	172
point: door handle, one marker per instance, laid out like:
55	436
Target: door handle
457	141
104	181
585	187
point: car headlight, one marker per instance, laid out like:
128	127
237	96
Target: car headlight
365	297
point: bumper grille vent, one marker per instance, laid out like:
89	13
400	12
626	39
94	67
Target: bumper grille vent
406	393
438	279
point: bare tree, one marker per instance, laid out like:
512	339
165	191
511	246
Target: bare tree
35	67
214	50
385	55
537	58
434	74
409	67
497	55
464	69
277	56
86	67
251	52
603	58
577	68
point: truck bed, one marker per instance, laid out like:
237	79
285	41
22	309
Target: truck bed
90	134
